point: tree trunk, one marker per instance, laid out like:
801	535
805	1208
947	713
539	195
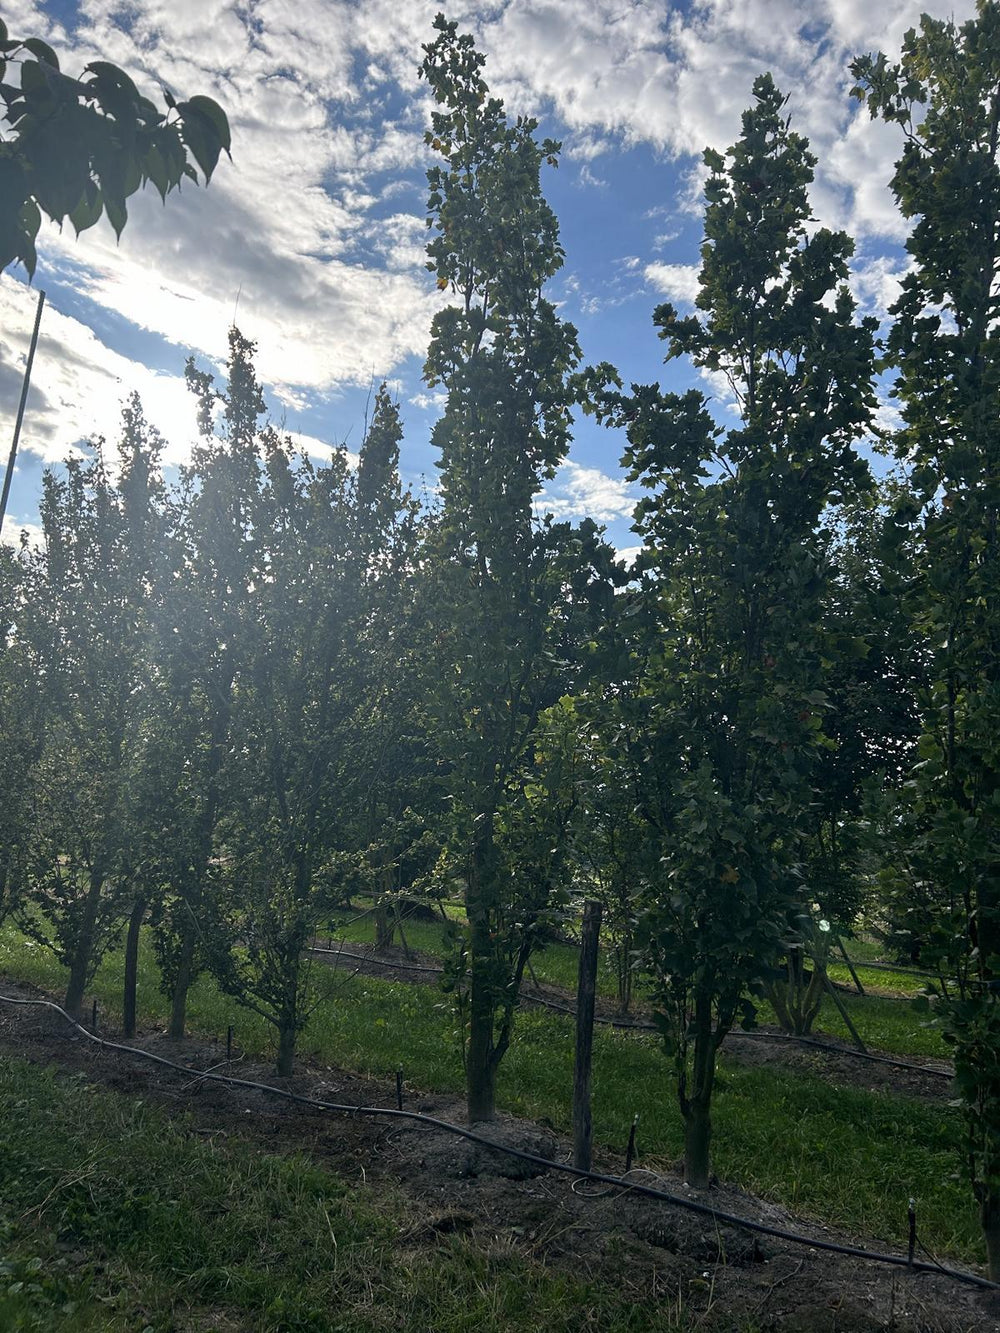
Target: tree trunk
384	927
697	1107
697	1141
182	984
989	1217
287	1033
480	1071
132	966
80	963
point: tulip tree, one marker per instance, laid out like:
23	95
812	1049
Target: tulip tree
944	93
727	715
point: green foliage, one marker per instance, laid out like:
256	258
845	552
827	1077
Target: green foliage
724	711
77	148
511	598
84	633
945	346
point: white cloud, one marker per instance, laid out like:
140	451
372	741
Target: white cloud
586	492
13	529
679	281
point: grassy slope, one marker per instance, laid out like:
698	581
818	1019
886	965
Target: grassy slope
850	1158
115	1218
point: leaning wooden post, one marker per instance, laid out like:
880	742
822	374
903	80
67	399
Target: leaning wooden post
586	987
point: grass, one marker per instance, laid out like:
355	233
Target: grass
847	1157
116	1218
882	1017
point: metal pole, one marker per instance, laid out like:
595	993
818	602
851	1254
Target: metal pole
9	474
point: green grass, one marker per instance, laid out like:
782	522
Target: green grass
115	1218
883	1018
846	1157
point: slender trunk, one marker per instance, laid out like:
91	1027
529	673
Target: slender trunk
697	1107
585	992
287	1033
384	918
182	984
132	966
480	1070
80	963
480	1065
989	1215
384	927
697	1141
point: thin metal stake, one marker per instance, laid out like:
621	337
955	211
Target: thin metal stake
9	474
399	1088
912	1215
630	1150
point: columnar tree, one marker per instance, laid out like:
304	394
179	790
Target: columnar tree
85	620
204	618
319	656
503	358
945	342
727	715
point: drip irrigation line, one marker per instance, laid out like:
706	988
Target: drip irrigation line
379	962
547	1164
631	1025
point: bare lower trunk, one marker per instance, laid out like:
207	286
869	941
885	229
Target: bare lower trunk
384	927
287	1033
182	984
697	1141
80	963
480	1069
989	1216
696	1101
132	966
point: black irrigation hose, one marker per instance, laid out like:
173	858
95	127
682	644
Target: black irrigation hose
632	1187
631	1025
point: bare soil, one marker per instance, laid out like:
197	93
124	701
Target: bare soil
725	1278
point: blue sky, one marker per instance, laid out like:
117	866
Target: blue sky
314	236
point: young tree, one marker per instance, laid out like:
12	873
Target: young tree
204	620
500	581
726	716
77	148
318	657
86	622
945	343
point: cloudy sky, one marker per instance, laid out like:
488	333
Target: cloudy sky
313	238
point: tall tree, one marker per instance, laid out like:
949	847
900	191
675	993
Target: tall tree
503	358
726	716
945	342
86	621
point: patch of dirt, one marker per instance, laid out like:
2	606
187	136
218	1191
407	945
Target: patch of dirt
726	1278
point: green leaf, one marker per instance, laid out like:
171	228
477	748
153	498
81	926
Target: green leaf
215	116
41	51
88	210
117	213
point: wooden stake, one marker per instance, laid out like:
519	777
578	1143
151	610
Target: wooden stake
850	966
845	1015
585	991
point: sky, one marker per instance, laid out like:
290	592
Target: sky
312	239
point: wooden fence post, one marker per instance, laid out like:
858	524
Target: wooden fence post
586	987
